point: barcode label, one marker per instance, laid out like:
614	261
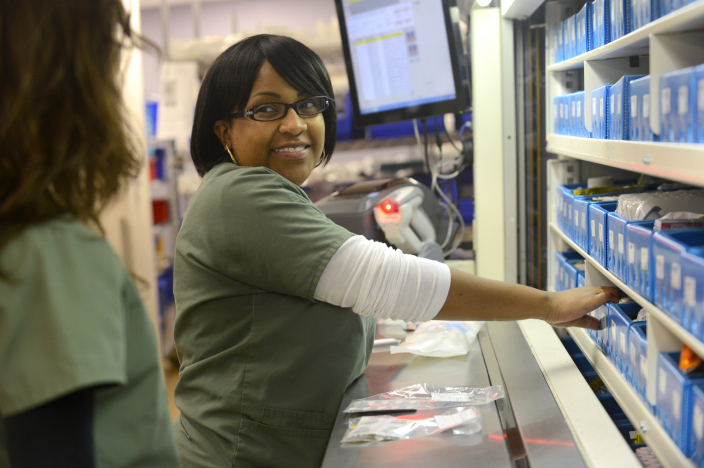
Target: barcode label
446	421
623	342
584	220
634	106
450	396
601	107
690	289
576	218
665	101
660	267
601	232
644	367
700	95
676	406
574	108
646	105
620	243
682	100
661	381
611	240
579	108
632	350
611	111
619	103
593	223
613	331
676	276
631	253
698	422
644	258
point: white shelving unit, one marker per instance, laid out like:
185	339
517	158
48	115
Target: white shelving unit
667	44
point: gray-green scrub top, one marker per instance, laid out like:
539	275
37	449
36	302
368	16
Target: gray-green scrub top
72	318
263	365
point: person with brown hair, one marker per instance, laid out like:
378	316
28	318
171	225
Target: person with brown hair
80	380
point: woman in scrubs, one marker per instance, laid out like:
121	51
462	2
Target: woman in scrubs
80	380
277	305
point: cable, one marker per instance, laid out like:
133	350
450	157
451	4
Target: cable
449	138
425	138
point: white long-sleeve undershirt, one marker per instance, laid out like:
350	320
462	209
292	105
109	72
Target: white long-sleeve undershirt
379	281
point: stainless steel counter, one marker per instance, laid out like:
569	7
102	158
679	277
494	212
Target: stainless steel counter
531	432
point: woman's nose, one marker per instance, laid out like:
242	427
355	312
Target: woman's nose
292	123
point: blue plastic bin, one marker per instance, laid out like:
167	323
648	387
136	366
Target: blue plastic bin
616	254
668	248
621	317
601	23
678	106
674	392
619	113
598	214
600	112
619	18
696	433
693	291
699	79
640	109
639	262
638	357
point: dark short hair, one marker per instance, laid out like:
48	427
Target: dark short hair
229	81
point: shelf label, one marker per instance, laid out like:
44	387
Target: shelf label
690	288
613	331
661	381
601	107
644	258
576	218
646	105
676	276
611	111
579	108
633	356
682	100
584	221
631	253
623	343
660	267
593	223
619	103
593	106
700	94
698	422
676	405
644	367
601	232
620	243
665	101
611	240
634	106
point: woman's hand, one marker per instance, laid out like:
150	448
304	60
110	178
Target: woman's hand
568	308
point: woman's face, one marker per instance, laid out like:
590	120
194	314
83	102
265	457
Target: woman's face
270	144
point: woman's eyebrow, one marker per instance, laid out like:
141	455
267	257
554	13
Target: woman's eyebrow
276	95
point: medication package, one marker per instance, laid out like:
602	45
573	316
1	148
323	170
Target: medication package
426	397
654	205
440	339
463	421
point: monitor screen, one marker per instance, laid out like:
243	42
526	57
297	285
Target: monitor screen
404	58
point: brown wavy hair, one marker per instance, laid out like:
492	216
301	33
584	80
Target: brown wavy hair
65	144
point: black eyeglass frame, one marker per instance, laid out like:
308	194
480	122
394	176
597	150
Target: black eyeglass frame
249	113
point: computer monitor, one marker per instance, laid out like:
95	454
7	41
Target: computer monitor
404	59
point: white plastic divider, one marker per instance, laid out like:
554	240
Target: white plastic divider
635	409
674	161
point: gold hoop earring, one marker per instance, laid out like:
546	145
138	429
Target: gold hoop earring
322	158
231	156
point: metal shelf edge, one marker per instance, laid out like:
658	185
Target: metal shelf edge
653	311
647	424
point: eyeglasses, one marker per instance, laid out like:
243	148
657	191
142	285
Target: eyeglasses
277	110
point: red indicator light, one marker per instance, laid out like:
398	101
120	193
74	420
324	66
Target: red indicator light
389	207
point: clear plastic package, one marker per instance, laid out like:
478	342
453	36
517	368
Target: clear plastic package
369	429
440	339
654	205
426	396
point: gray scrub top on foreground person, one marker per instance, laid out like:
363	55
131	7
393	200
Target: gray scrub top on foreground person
263	365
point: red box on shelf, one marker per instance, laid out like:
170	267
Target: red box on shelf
160	211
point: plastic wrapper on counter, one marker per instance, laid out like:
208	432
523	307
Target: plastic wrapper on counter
440	339
426	397
389	428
